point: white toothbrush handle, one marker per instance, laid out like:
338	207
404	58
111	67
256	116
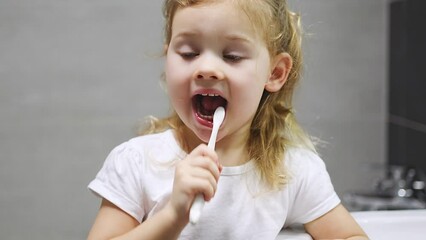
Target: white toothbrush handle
196	208
198	204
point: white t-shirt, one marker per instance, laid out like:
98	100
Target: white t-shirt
137	177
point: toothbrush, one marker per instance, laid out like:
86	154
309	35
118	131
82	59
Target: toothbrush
198	204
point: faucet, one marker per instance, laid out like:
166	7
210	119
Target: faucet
402	182
400	188
419	186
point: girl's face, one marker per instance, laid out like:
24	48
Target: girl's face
215	58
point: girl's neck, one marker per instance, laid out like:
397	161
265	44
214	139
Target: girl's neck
232	150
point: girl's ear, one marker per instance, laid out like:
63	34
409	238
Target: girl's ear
280	69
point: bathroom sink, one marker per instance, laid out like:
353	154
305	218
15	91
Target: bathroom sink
397	224
387	225
293	234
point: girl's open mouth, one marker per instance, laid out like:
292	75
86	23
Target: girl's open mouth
204	106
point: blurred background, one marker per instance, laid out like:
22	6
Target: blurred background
78	77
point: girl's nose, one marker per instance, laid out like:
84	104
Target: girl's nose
209	67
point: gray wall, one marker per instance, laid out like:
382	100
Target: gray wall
343	97
76	78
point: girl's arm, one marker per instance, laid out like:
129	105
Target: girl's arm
111	221
198	173
336	224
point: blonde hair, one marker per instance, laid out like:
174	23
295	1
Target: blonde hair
274	127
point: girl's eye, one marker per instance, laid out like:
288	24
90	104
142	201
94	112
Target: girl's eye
232	58
189	55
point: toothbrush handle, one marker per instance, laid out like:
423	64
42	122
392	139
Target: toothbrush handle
196	208
198	204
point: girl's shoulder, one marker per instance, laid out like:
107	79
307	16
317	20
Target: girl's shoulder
310	186
155	146
160	141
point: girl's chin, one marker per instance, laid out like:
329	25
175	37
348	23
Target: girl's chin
203	135
196	135
198	131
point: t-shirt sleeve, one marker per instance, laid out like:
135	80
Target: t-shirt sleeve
118	181
313	192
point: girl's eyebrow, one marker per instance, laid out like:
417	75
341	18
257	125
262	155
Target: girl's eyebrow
229	37
239	38
185	34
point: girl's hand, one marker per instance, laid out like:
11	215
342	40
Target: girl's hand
198	173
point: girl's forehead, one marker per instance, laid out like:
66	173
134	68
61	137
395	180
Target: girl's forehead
216	15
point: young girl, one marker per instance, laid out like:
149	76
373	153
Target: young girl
243	55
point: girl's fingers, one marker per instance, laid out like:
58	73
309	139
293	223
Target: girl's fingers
207	164
205	183
195	180
206	188
203	150
198	173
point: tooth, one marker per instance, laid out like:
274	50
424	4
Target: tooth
204	94
211	95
